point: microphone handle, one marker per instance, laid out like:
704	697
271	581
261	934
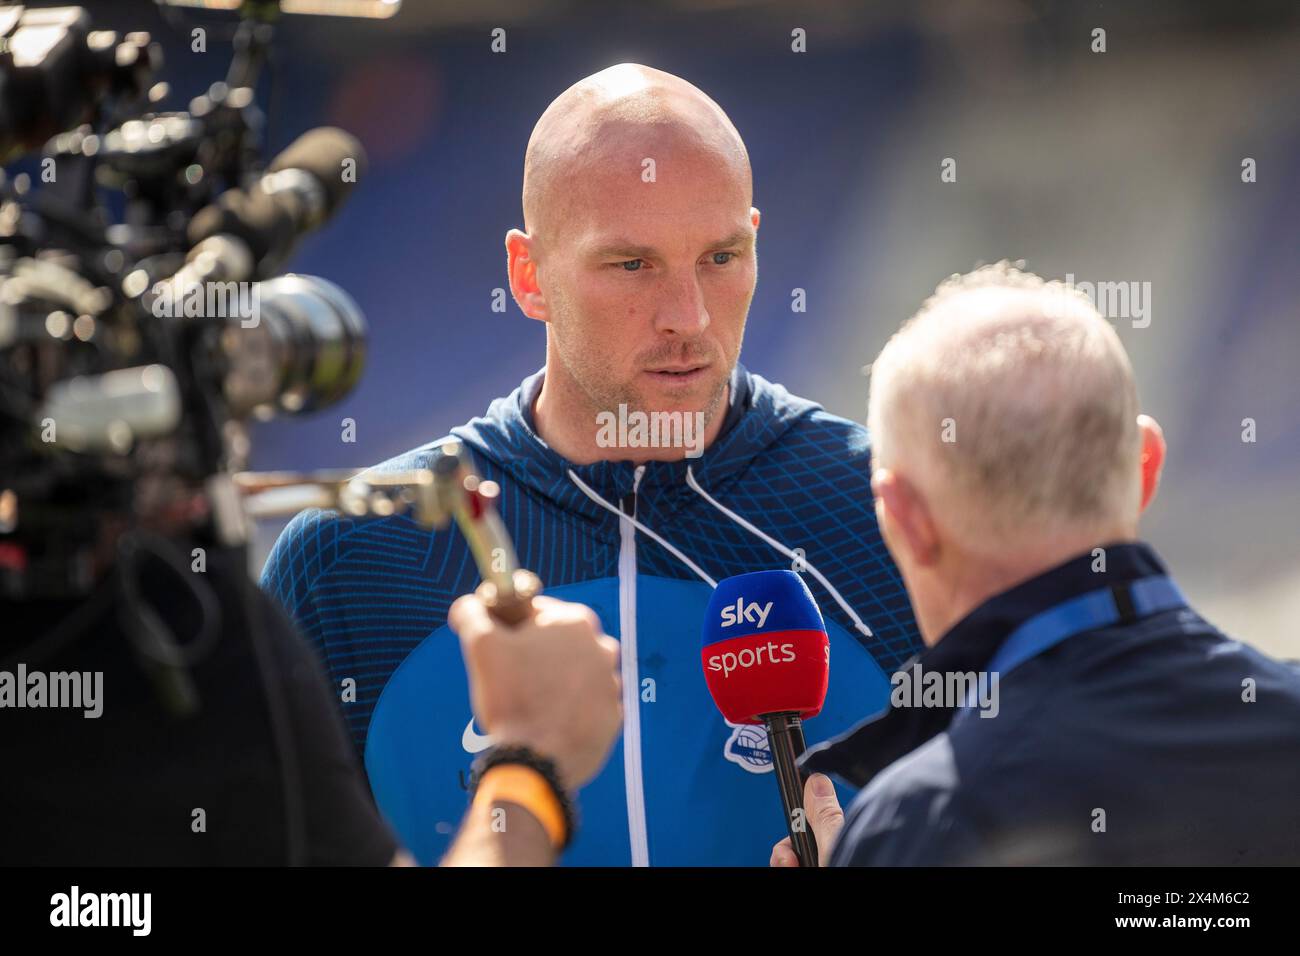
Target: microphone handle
796	735
785	738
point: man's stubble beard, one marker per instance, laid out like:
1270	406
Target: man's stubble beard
602	395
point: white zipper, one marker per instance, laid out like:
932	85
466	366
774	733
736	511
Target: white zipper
636	825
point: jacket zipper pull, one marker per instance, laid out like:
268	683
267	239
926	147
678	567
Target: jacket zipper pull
628	503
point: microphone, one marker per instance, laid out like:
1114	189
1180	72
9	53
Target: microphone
302	188
766	659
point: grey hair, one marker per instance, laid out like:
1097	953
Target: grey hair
1011	402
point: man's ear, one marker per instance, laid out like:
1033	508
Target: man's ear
1153	457
755	216
521	268
904	519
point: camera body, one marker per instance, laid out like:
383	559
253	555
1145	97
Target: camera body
143	319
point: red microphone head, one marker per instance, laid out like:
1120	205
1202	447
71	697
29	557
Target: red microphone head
765	649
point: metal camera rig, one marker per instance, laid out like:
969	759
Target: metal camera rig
124	411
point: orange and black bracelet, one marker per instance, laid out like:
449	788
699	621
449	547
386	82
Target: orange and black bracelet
521	776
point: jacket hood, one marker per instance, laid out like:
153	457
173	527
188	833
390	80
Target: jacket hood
759	413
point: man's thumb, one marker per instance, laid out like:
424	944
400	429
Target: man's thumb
823	811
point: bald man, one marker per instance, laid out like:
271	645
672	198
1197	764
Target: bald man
1011	468
638	467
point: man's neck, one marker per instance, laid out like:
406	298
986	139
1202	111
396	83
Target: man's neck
971	580
567	423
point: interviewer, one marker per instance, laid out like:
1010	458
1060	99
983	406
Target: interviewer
1011	465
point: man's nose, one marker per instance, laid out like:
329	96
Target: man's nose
683	311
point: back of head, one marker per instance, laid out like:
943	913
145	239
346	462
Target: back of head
1009	402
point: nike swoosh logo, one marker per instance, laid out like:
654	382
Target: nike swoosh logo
474	742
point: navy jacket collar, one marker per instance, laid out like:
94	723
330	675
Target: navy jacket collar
759	414
862	752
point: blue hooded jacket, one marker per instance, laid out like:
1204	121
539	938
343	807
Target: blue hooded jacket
785	485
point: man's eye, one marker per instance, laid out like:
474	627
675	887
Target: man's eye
722	258
631	265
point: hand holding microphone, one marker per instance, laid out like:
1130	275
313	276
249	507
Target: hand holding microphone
766	659
825	817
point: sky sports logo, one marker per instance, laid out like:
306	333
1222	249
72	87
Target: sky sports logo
742	613
747	657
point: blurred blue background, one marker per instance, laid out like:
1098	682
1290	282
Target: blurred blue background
1123	165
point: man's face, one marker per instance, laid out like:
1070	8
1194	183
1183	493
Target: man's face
648	284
